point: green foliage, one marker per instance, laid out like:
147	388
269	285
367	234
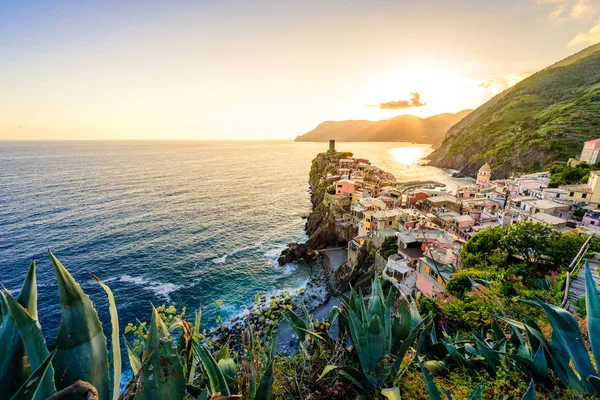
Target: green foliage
482	334
330	189
564	175
543	118
428	306
581	307
526	249
389	246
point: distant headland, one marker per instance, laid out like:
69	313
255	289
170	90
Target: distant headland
403	128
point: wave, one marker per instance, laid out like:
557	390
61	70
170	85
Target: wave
160	289
223	258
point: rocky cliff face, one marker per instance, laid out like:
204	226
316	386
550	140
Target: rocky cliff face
321	227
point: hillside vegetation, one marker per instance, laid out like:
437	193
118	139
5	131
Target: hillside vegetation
542	119
403	128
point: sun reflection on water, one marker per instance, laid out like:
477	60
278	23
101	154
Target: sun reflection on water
406	155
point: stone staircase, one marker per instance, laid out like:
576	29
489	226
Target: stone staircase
577	288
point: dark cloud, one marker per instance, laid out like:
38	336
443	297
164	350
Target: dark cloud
415	101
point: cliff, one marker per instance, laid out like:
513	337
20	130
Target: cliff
542	119
403	128
321	227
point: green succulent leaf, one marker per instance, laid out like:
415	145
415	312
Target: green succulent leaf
31	387
80	343
134	361
265	387
434	393
392	393
477	393
530	393
13	363
35	345
217	381
162	372
116	345
592	302
567	336
228	368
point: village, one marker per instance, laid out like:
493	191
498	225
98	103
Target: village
430	224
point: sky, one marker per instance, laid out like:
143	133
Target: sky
259	69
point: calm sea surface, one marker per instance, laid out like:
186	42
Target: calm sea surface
183	223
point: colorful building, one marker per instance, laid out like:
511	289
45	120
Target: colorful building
484	175
591	151
345	187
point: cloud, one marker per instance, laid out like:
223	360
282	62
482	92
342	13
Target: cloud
414	101
563	10
497	85
584	39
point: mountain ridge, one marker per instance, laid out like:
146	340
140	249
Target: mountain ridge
402	128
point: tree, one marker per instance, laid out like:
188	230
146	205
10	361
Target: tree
533	242
477	251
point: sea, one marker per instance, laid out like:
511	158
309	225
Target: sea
175	223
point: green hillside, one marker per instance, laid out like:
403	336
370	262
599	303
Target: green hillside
542	119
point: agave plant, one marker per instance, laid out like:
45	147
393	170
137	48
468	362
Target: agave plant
565	357
78	360
79	352
379	339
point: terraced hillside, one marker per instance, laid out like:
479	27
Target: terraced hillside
542	119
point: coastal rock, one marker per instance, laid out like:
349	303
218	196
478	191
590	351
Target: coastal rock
295	252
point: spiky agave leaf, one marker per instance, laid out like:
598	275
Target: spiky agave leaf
218	383
592	302
228	368
566	336
134	361
31	387
162	372
530	393
13	363
434	393
116	345
34	343
265	387
80	342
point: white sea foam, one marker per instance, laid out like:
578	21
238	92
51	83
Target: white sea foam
275	252
160	289
220	260
223	258
286	269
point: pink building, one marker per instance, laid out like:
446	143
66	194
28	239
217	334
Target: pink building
528	184
591	151
347	163
345	187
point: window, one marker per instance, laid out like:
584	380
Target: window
557	195
583	196
433	273
571	194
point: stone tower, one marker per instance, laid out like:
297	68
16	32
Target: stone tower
331	145
484	175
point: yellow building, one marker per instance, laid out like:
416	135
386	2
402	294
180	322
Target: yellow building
585	193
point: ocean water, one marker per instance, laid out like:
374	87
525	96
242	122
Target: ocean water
182	223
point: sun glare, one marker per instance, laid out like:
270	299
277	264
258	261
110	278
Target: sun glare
440	89
406	155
